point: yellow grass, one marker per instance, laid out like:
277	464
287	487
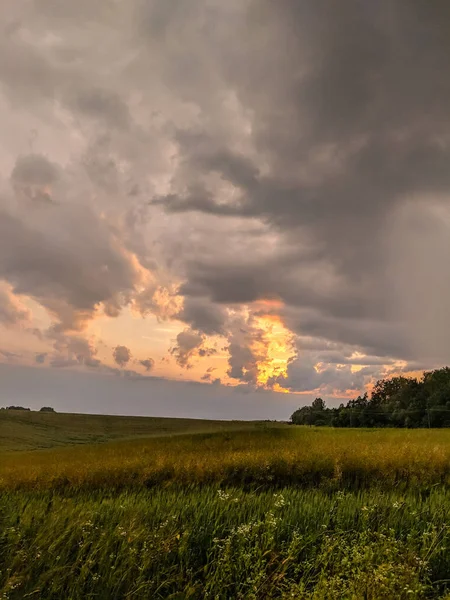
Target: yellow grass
271	455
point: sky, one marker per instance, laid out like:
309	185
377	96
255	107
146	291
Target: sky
221	209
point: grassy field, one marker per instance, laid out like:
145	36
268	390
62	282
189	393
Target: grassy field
266	512
26	430
263	455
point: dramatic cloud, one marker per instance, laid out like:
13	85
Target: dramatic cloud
122	355
347	137
267	183
203	315
69	260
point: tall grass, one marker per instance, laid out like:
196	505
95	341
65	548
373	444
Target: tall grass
270	457
219	544
288	513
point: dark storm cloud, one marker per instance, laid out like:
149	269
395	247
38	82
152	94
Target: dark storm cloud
203	315
370	336
241	150
349	114
306	284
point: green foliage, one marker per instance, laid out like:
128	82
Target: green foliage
395	402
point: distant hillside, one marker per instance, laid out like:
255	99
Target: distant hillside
24	430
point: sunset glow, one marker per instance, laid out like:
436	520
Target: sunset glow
274	348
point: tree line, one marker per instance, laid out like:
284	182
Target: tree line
43	409
395	402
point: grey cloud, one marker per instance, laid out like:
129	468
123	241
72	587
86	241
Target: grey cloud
34	169
308	282
370	336
32	174
147	363
243	363
203	315
303	377
40	358
70	350
207	376
187	347
350	115
105	105
202	352
121	355
281	147
70	264
337	358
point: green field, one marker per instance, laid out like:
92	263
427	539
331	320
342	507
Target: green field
26	430
253	511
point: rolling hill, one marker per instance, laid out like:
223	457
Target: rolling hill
27	430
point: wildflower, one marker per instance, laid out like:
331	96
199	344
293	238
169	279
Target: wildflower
279	500
271	519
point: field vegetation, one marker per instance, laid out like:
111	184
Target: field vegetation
28	430
264	455
268	511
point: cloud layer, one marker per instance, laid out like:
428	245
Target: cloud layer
272	177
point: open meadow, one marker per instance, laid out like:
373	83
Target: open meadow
248	510
27	430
